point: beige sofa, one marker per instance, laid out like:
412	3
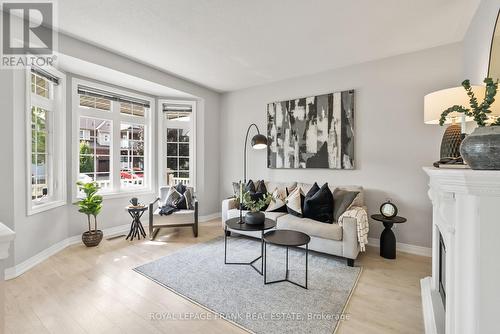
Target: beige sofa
325	238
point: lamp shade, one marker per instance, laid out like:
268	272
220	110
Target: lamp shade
259	142
437	102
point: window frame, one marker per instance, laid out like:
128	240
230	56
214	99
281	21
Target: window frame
162	141
56	139
116	118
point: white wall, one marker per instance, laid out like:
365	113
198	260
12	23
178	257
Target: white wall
391	141
477	41
40	231
6	151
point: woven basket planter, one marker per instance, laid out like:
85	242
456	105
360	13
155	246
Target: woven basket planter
92	238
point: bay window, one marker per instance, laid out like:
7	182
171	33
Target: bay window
113	145
45	139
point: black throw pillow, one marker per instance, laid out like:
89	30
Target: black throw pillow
180	188
314	189
319	205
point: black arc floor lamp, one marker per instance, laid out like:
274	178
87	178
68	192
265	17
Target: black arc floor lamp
259	142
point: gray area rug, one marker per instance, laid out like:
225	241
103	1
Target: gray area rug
238	294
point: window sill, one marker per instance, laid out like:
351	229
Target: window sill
34	209
122	194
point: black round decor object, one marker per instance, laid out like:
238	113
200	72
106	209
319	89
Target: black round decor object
388	210
450	144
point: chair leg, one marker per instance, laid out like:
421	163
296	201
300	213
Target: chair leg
153	234
195	230
228	233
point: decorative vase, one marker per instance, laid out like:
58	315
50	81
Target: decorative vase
481	149
92	238
255	218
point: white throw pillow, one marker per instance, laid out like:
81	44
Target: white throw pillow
278	200
294	202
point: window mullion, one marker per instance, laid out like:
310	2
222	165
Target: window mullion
115	147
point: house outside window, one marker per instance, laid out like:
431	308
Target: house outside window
113	144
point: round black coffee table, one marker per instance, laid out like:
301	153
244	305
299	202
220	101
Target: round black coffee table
287	238
387	238
234	224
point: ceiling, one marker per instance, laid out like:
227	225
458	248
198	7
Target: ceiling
232	44
110	76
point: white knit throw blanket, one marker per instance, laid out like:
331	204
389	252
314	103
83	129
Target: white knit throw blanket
361	217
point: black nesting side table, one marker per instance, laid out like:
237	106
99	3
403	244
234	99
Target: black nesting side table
136	228
234	224
287	238
387	238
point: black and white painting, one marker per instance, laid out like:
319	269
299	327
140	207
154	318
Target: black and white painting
312	132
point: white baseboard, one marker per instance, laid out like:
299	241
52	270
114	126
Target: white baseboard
206	218
406	248
26	265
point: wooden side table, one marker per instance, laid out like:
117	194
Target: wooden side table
387	238
136	228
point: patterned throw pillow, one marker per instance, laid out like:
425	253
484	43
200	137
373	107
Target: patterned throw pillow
173	197
278	202
294	202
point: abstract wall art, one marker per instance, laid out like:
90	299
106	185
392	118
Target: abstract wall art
312	132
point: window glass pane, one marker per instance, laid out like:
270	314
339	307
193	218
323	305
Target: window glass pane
172	149
172	135
95	102
184	163
132	155
126	108
39	153
40	86
95	151
178	116
184	175
139	110
184	150
184	135
172	163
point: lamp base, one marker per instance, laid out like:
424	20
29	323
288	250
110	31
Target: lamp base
450	144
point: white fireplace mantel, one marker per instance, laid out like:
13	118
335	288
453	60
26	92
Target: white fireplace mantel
466	211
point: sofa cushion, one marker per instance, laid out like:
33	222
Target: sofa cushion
342	201
294	202
233	213
310	227
319	204
177	217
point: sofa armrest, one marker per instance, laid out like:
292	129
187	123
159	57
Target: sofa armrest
227	205
350	244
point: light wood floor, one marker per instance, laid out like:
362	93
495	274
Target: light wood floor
94	290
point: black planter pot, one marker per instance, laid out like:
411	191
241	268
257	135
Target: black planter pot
255	218
92	238
481	149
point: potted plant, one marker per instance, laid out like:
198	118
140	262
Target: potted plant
91	205
480	149
255	216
